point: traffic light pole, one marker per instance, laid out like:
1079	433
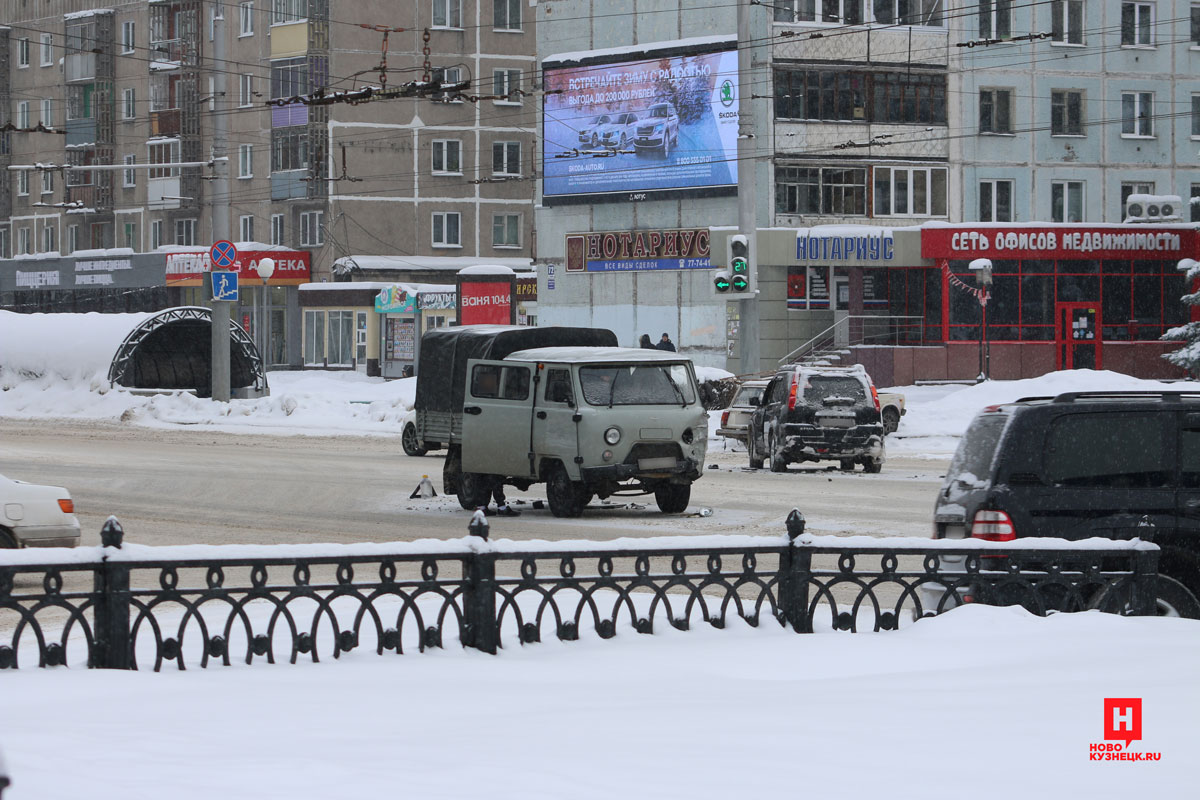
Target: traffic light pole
748	326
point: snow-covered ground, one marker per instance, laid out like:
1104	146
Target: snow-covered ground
982	702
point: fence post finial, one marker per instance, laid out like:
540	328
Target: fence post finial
112	534
795	524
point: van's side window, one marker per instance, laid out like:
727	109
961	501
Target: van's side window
1110	451
485	380
516	383
558	386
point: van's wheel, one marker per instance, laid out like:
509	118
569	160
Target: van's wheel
410	442
756	460
673	498
778	462
891	420
562	493
474	490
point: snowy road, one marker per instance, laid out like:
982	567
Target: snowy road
190	486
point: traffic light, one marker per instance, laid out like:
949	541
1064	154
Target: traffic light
739	262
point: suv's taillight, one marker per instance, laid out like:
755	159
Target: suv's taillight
875	397
993	526
724	419
792	393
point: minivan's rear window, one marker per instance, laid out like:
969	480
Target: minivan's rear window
977	449
1126	450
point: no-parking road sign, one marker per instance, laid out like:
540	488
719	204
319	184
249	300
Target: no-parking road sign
223	254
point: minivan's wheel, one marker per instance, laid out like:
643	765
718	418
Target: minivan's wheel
474	490
778	462
673	498
410	442
756	460
891	420
562	493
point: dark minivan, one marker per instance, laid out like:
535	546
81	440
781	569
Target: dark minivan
1119	465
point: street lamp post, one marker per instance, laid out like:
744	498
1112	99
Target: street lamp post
266	268
982	267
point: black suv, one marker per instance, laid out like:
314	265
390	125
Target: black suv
817	414
1119	465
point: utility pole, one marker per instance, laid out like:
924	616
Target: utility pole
748	332
219	207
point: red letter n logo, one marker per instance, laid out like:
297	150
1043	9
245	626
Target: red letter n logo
1123	719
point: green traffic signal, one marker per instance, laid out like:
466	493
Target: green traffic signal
740	266
740	283
721	282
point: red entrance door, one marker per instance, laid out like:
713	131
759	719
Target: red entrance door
1078	336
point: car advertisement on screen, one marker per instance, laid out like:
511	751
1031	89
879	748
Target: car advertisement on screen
637	129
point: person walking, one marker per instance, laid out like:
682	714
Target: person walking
645	342
665	343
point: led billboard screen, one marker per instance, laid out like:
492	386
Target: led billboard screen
640	128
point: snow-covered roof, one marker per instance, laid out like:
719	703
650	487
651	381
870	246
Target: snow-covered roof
644	50
411	288
73	346
91	12
409	263
578	355
486	269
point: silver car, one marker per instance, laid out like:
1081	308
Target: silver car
32	515
736	419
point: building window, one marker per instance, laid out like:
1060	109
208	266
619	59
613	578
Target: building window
246	227
1066	21
995	110
245	90
1196	116
1195	202
995	19
23	114
128	104
312	230
908	12
47	182
995	201
48	112
185	232
289	148
72	238
4	243
130	234
506	158
506	83
1137	114
22	52
156	234
1195	25
447	157
24	242
49	239
1066	112
129	176
447	75
246	19
23	182
245	161
1137	24
506	230
1066	201
277	229
47	49
285	11
447	13
128	40
828	191
164	153
1128	189
314	338
842	95
289	78
446	229
508	15
910	192
847	12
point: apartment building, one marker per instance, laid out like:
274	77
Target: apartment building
98	99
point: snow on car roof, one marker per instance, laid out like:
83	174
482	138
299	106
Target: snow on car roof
579	355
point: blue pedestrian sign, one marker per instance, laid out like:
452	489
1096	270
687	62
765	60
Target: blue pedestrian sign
225	286
223	254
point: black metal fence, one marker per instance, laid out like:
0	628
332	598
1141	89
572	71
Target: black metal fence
139	607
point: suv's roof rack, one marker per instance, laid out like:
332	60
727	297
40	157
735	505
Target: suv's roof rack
1070	397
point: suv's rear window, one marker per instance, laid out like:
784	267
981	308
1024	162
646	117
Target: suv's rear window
821	387
1127	450
973	459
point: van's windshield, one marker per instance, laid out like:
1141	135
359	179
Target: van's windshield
637	384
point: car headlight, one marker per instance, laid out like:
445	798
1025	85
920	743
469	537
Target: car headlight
658	126
612	435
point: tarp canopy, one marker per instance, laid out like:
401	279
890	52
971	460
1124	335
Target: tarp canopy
445	352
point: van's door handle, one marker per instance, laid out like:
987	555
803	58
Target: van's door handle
472	410
541	415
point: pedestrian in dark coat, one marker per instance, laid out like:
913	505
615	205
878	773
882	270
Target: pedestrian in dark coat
645	342
665	343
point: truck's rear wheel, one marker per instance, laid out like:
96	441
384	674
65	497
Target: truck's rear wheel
410	442
474	490
673	498
564	495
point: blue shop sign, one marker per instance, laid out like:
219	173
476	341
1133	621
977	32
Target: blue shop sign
850	247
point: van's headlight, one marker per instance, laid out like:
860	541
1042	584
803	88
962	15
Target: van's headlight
612	435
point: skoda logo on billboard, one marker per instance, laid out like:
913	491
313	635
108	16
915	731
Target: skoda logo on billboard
727	93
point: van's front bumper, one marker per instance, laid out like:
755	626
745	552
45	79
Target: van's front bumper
620	472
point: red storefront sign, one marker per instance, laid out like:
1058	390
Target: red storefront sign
291	267
485	302
1154	242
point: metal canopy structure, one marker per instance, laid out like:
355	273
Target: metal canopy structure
173	350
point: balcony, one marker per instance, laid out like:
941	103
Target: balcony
165	122
81	131
85	194
166	53
80	67
288	184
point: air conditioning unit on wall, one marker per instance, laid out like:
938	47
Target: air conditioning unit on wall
1151	208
